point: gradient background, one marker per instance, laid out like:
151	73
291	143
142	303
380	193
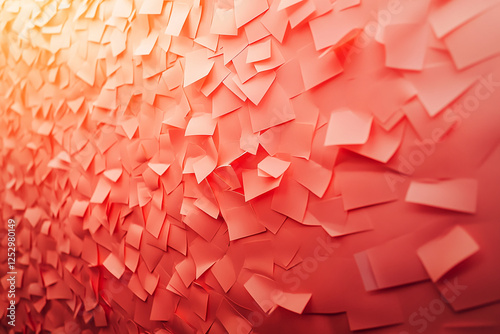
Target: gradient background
251	166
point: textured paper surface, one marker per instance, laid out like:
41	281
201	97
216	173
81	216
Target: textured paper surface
251	166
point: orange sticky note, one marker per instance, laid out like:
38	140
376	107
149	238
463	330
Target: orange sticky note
245	11
180	11
146	45
151	7
198	65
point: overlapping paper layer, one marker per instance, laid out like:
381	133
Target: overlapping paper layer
251	166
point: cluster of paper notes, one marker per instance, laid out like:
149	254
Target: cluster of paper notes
251	166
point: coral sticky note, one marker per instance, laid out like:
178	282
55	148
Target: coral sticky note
347	127
180	12
273	166
455	194
250	166
442	254
198	65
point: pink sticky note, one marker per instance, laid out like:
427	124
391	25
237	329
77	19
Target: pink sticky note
330	29
405	46
317	68
311	175
101	191
287	76
364	188
439	84
256	87
275	21
255	31
287	3
298	14
452	14
273	166
443	253
274	109
255	185
344	4
158	168
348	128
455	194
381	145
478	274
130	126
475	40
203	167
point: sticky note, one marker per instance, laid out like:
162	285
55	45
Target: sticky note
442	254
455	194
346	127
